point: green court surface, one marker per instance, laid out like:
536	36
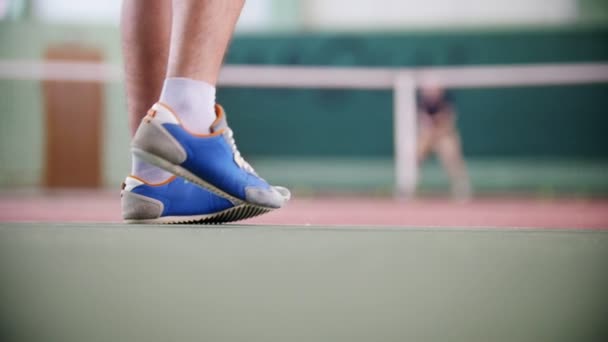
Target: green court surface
104	282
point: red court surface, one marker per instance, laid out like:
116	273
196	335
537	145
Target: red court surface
104	206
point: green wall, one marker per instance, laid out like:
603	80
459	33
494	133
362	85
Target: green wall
561	122
549	121
585	43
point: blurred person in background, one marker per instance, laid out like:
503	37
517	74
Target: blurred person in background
438	133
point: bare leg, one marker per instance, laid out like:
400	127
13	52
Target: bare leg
449	151
200	35
427	138
200	31
146	29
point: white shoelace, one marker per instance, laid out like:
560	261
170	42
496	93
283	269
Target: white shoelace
237	155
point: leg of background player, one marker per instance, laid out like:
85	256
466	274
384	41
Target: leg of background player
449	151
146	29
427	137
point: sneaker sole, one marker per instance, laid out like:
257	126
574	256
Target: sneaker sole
233	214
181	172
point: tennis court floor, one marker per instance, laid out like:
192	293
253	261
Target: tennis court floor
114	282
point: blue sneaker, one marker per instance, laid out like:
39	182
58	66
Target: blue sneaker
178	201
209	160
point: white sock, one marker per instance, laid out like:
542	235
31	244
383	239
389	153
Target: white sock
193	101
148	172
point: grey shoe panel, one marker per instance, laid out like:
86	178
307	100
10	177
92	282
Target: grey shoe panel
155	139
284	192
221	122
138	207
270	197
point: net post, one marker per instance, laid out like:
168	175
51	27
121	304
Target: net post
405	135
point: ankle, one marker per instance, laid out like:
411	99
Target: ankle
193	102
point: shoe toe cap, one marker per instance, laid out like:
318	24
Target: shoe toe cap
271	197
284	192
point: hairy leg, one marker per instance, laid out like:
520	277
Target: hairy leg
146	30
200	34
197	37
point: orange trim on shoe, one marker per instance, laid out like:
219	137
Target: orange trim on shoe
219	112
167	181
216	133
